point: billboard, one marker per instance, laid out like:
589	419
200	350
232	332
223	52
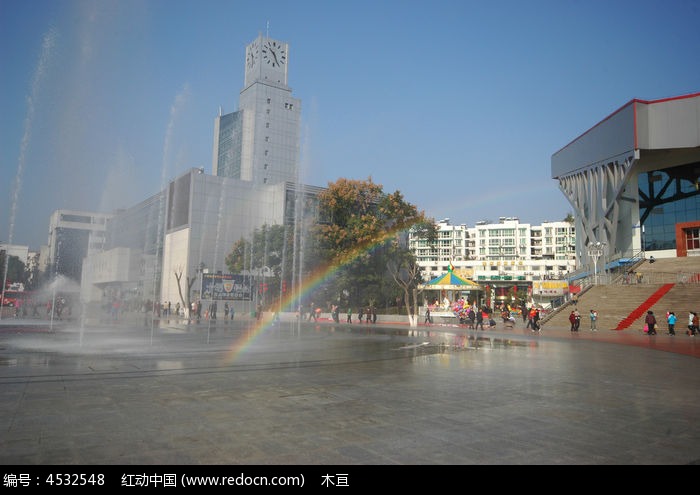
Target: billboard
225	287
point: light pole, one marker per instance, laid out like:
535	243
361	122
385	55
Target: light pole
200	272
193	304
202	269
55	283
595	251
6	264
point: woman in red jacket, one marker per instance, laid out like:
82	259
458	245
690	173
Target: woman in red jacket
650	320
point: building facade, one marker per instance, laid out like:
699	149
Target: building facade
160	248
515	260
632	181
261	141
73	235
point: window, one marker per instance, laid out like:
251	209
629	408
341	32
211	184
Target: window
66	217
692	239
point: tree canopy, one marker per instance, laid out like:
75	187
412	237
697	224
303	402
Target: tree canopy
359	240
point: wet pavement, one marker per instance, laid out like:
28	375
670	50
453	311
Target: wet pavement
293	393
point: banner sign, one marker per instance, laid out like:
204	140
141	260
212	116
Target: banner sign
225	287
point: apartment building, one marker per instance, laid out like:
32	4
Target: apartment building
509	257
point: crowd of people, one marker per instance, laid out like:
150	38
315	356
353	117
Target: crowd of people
366	314
651	325
474	317
58	307
469	314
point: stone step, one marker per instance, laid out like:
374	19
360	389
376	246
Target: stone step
614	303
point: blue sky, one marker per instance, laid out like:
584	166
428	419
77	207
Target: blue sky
457	104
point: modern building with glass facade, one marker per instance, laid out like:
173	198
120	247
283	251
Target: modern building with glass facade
189	227
157	247
73	235
261	141
633	181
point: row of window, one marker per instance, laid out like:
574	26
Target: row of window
287	106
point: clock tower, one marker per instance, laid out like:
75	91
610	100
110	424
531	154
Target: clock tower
261	141
266	61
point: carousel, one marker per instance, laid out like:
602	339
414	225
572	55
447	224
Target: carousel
443	292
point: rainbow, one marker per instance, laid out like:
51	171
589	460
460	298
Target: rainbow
310	283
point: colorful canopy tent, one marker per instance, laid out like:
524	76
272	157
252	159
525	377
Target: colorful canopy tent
450	287
451	281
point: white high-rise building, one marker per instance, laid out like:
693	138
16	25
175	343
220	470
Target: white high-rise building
189	227
260	141
535	259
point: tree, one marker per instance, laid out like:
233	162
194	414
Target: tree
350	207
355	232
406	273
184	299
15	269
363	232
270	247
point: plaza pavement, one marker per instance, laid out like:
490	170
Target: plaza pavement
305	393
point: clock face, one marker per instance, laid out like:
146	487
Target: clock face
252	55
273	54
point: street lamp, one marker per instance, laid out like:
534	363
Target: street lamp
200	270
595	251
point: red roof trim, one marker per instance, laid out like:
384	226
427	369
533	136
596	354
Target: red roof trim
634	124
633	101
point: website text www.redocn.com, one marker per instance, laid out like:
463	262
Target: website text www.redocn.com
242	480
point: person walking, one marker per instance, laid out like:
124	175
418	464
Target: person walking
349	320
692	323
594	320
536	321
572	320
577	317
427	316
650	321
531	318
479	319
671	319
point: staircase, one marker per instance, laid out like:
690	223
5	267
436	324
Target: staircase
667	285
642	309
